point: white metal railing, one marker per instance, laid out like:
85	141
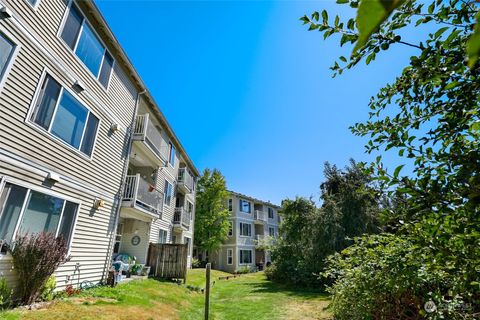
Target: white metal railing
145	130
260	215
141	193
182	216
185	178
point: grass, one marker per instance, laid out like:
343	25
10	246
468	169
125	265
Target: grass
249	296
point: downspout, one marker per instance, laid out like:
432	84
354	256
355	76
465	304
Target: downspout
122	187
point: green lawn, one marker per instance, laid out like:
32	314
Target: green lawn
247	297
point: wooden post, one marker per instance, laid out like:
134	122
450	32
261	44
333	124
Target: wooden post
207	291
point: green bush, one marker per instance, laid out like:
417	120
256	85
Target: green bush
390	277
5	294
195	263
244	270
47	293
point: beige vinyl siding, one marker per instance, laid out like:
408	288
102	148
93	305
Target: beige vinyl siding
92	233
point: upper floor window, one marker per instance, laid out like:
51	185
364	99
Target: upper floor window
245	229
230	204
27	211
80	37
171	158
7	48
270	213
271	231
58	112
230	228
167	193
245	206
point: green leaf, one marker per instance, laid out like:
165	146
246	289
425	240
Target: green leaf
440	32
451	85
342	1
475	126
370	15
325	16
473	44
397	171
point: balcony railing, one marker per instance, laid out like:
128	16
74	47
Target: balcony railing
146	131
185	179
182	217
259	237
260	216
142	194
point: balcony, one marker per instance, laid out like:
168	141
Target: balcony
141	199
148	143
259	237
259	217
185	180
182	219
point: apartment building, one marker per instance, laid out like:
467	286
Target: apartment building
85	152
253	222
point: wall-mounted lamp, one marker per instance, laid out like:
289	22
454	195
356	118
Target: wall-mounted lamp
5	12
79	86
99	203
53	176
114	127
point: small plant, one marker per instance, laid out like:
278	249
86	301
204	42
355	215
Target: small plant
5	294
35	258
243	270
71	291
195	263
47	293
136	268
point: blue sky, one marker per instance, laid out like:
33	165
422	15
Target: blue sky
249	91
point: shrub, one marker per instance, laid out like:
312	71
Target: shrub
5	294
195	263
243	270
47	293
390	277
35	258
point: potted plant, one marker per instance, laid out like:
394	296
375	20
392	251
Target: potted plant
136	269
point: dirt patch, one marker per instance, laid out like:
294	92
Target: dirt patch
306	310
91	300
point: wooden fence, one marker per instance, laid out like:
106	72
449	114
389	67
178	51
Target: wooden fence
168	261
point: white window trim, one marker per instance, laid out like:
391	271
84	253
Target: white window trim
47	132
240	209
164	230
230	227
13	57
85	20
46	191
230	255
168	205
240	230
170	144
240	263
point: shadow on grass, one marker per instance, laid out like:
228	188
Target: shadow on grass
273	287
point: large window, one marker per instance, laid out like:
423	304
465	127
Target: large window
270	213
245	206
162	236
245	256
271	231
80	37
171	158
245	229
25	211
6	51
58	112
229	256
167	193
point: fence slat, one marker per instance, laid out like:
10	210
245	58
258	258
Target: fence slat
168	261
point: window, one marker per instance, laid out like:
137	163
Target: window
245	206
28	211
58	112
167	193
6	51
162	236
245	257
33	2
80	37
171	158
174	238
230	229
189	207
230	204
245	229
187	242
230	256
270	213
271	231
118	238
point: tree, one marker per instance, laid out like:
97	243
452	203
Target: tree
309	234
429	114
211	215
